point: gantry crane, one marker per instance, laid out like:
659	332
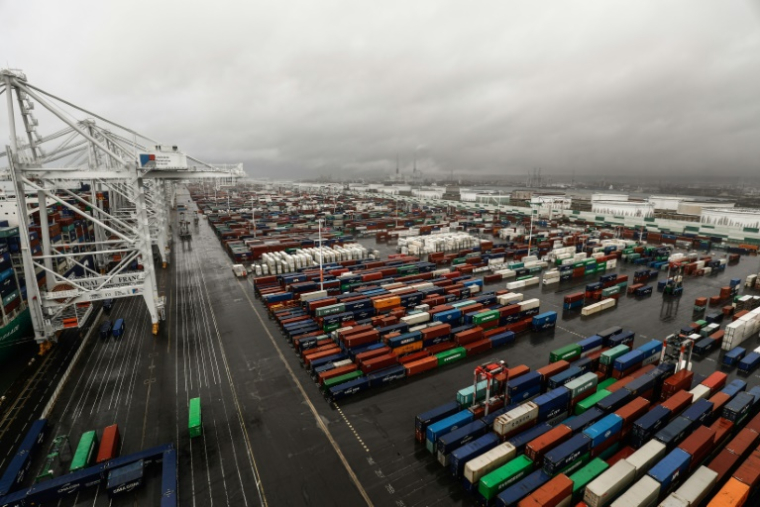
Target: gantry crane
131	179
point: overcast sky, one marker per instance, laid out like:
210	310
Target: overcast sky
298	88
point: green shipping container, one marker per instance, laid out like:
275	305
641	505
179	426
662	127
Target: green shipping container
483	317
329	328
515	265
194	420
450	356
604	385
330	310
500	479
609	356
589	402
622	285
609	291
576	465
590	271
341	379
568	353
701	323
601	266
585	475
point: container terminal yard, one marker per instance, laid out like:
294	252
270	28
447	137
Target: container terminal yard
267	432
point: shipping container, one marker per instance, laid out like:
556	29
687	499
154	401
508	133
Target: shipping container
605	488
109	444
482	465
497	481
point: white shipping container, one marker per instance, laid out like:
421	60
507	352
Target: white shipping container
646	456
422	308
534	280
474	289
604	488
515	285
416	318
642	494
515	418
476	468
506	273
696	487
310	296
550	281
345	362
508	299
699	392
674	500
529	304
591	309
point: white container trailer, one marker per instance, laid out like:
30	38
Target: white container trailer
486	463
601	491
694	490
642	494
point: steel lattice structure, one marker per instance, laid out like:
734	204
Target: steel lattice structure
131	179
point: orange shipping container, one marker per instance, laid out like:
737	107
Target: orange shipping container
553	493
733	494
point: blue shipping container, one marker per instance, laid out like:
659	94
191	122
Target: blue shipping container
604	429
567	452
670	469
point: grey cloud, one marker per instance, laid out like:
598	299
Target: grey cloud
300	87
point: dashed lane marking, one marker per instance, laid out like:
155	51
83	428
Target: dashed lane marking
571	332
311	406
351	427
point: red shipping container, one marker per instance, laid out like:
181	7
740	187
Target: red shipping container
109	444
378	363
318	355
698	444
716	381
363	338
632	411
494	331
739	314
572	298
478	347
440	347
680	380
538	447
553	493
718	400
678	402
492	278
552	369
469	336
363	356
505	311
749	472
754	424
742	443
335	372
420	366
414	356
723	463
722	428
516	371
435	331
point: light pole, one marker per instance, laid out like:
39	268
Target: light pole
321	277
530	232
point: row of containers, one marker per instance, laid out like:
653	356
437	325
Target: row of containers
374	334
60	461
611	427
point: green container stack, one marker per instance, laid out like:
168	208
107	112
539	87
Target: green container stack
589	402
568	353
450	356
608	356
